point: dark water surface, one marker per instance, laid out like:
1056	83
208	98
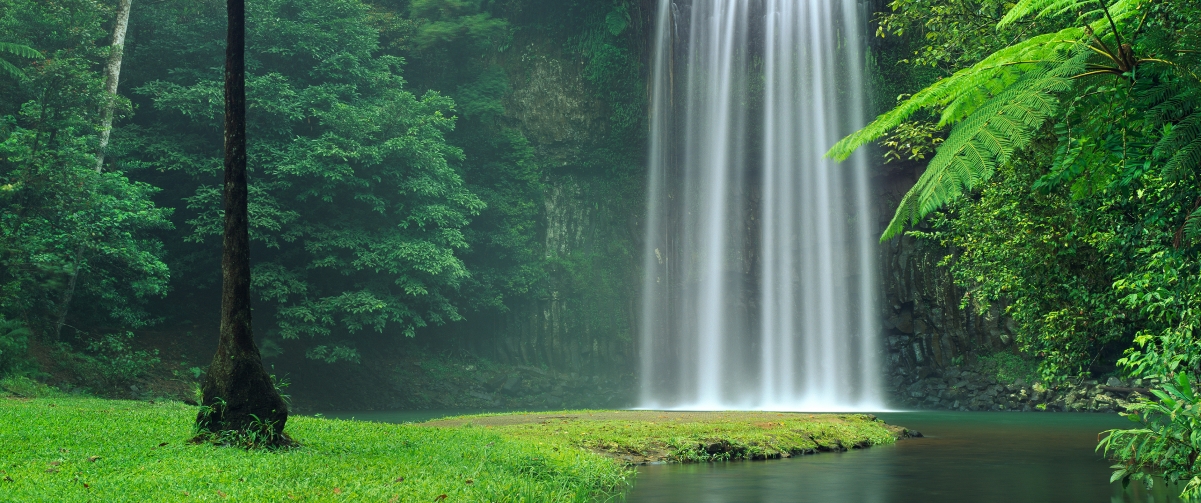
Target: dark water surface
964	457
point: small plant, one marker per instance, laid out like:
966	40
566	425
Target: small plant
281	383
1009	367
259	434
1166	444
113	357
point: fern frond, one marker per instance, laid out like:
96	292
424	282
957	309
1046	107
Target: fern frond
19	50
1192	225
966	90
1040	8
1176	110
991	135
1005	65
23	51
1044	8
11	70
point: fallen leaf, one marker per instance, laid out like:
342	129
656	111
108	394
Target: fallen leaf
63	450
185	493
440	497
394	499
55	463
93	458
337	490
164	444
86	486
400	479
8	479
468	481
52	470
221	494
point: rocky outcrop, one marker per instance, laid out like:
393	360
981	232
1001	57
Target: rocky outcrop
976	387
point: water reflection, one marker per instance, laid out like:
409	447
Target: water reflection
978	457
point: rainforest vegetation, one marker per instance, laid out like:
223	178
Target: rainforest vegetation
463	179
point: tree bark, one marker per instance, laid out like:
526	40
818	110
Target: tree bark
239	396
112	74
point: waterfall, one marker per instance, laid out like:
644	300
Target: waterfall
759	264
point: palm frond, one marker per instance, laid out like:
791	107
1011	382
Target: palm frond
991	135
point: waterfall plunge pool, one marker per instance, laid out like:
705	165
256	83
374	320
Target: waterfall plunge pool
985	457
980	457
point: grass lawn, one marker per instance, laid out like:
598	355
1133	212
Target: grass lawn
65	448
87	449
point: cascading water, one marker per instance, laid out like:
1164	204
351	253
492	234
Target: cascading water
759	264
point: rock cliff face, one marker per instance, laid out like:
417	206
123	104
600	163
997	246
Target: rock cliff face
580	318
924	328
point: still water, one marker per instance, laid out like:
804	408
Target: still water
964	457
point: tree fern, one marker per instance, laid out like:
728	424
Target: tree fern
990	135
997	104
10	69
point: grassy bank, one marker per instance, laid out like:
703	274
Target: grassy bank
86	449
684	437
58	447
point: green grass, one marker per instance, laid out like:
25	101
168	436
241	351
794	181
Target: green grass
85	449
638	436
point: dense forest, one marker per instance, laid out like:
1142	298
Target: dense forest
445	197
398	179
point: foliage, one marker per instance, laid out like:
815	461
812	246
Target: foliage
19	50
73	236
356	460
999	104
355	205
14	338
1167	442
1077	214
911	141
1010	367
115	359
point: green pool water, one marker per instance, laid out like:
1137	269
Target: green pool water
964	457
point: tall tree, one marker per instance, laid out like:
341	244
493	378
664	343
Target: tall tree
112	75
239	396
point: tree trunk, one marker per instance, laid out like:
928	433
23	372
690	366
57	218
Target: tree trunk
239	396
112	73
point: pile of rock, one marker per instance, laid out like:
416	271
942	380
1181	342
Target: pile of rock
957	388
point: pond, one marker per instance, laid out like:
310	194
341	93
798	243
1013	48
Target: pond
979	457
